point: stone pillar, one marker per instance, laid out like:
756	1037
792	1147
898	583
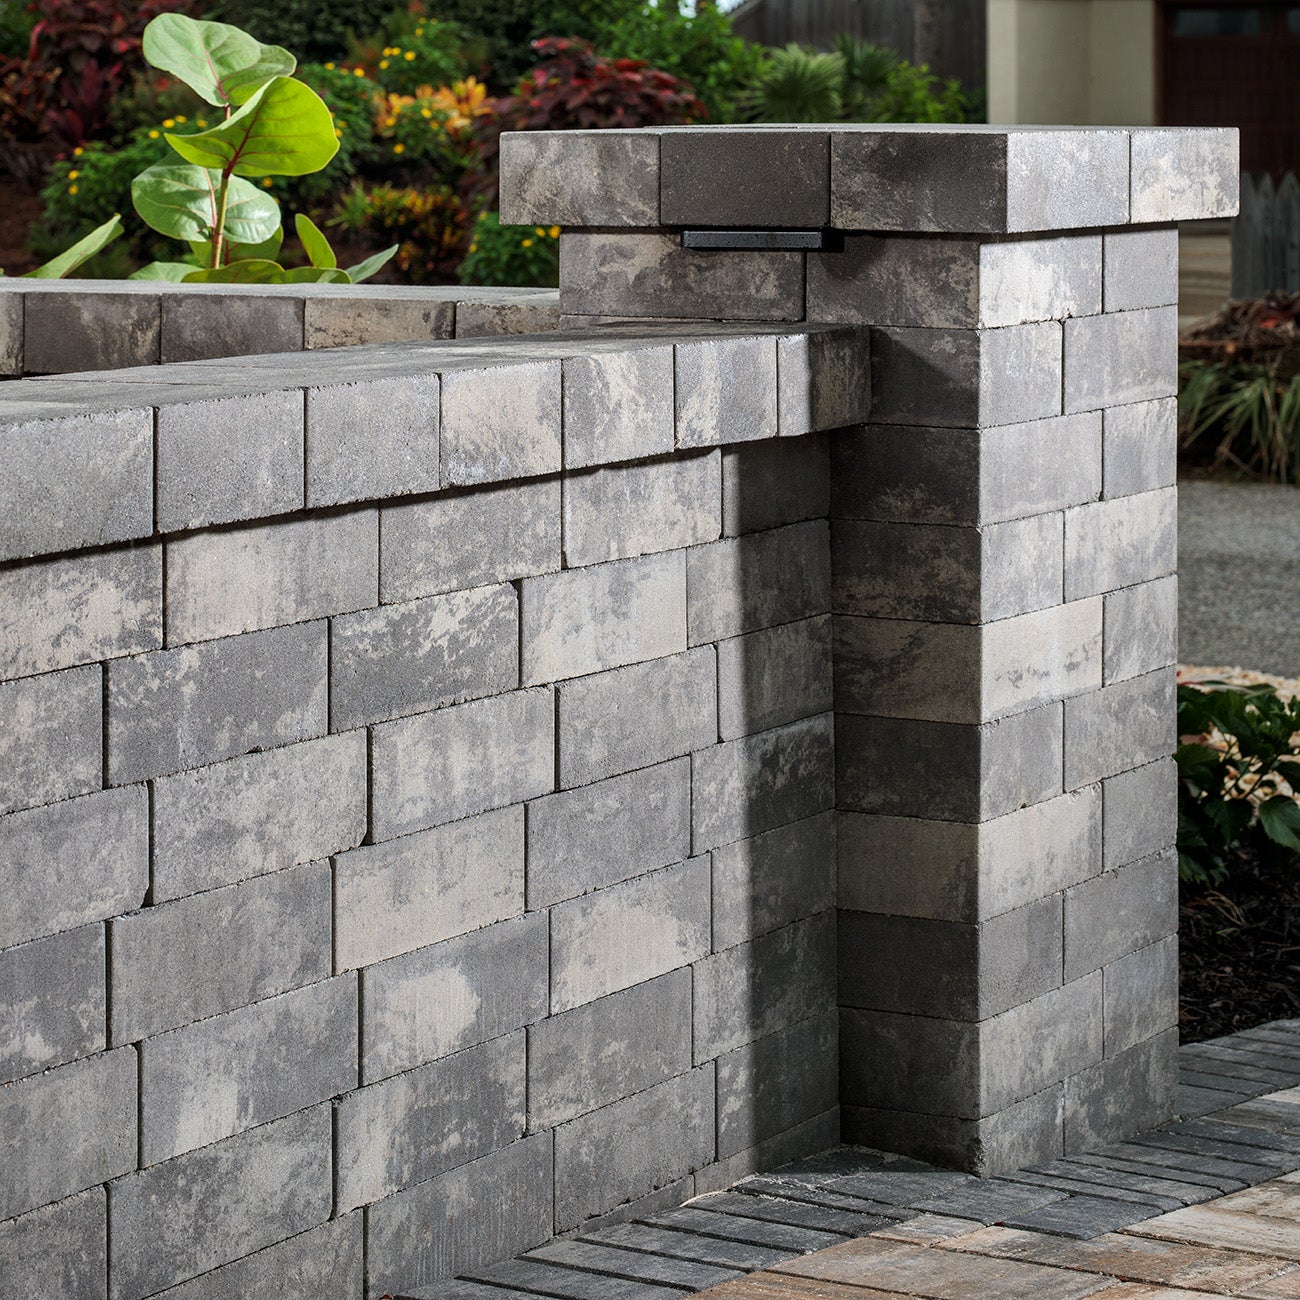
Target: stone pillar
1003	545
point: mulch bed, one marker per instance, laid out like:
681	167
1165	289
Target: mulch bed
1264	330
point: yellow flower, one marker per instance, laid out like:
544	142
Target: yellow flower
72	176
358	72
153	135
419	31
338	135
555	232
399	148
473	248
180	117
203	121
527	243
169	122
78	151
409	55
267	182
72	189
383	63
541	230
330	66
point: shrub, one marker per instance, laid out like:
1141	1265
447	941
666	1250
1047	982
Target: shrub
433	130
511	255
1246	416
428	225
431	54
314	29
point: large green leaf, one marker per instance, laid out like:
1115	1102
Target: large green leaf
180	200
82	251
365	269
172	272
218	62
252	271
267	249
1280	818
316	275
315	245
283	130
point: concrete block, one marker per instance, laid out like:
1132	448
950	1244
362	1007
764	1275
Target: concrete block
1141	628
253	815
73	863
1141	811
598	178
823	380
773	676
84	480
206	1208
932	573
374	438
627	510
1141	991
726	391
52	1002
399	1132
351	320
1124	725
650	275
421	889
769	484
229	458
1027	280
537	315
583	620
69	332
775	1083
179	962
1141	447
742	584
633	717
267	575
1141	269
595	1054
423	654
439	767
887	765
744	787
597	835
201	326
633	1147
488	1210
59	613
1184	175
64	1244
195	705
427	1004
1120	911
1128	1094
66	1130
1117	543
952	378
1127	356
618	406
500	422
11	334
51	746
471	540
768	984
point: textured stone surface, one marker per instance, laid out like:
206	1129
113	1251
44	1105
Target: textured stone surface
1141	447
1111	544
1118	727
350	320
611	180
726	391
62	1247
767	484
500	422
1127	356
1141	811
1129	1093
773	676
618	406
1141	628
1119	912
823	380
11	334
535	313
1141	269
200	326
1027	280
1181	175
66	332
1141	991
50	747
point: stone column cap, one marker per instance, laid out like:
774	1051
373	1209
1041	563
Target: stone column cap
951	179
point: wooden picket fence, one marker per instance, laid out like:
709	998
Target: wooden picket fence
1266	237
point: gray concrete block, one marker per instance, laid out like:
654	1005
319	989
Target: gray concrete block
423	654
84	480
482	1212
199	326
773	676
179	962
11	334
1124	725
1141	269
1127	356
605	616
823	380
350	320
389	899
726	391
53	1002
597	835
409	1128
593	1055
1141	446
744	787
769	484
69	332
374	438
597	178
500	422
1117	543
208	1081
612	1261
427	1004
1120	911
628	933
439	767
627	510
229	458
73	863
618	406
66	1130
51	746
1141	811
1141	995
62	1246
253	815
538	315
742	584
1184	175
471	540
1028	280
633	717
1127	1094
633	1147
651	275
182	708
887	765
767	984
1141	628
206	1208
58	613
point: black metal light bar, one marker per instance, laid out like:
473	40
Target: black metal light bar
824	241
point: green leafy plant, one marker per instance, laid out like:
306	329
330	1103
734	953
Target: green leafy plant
429	223
318	29
431	54
1246	416
511	255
